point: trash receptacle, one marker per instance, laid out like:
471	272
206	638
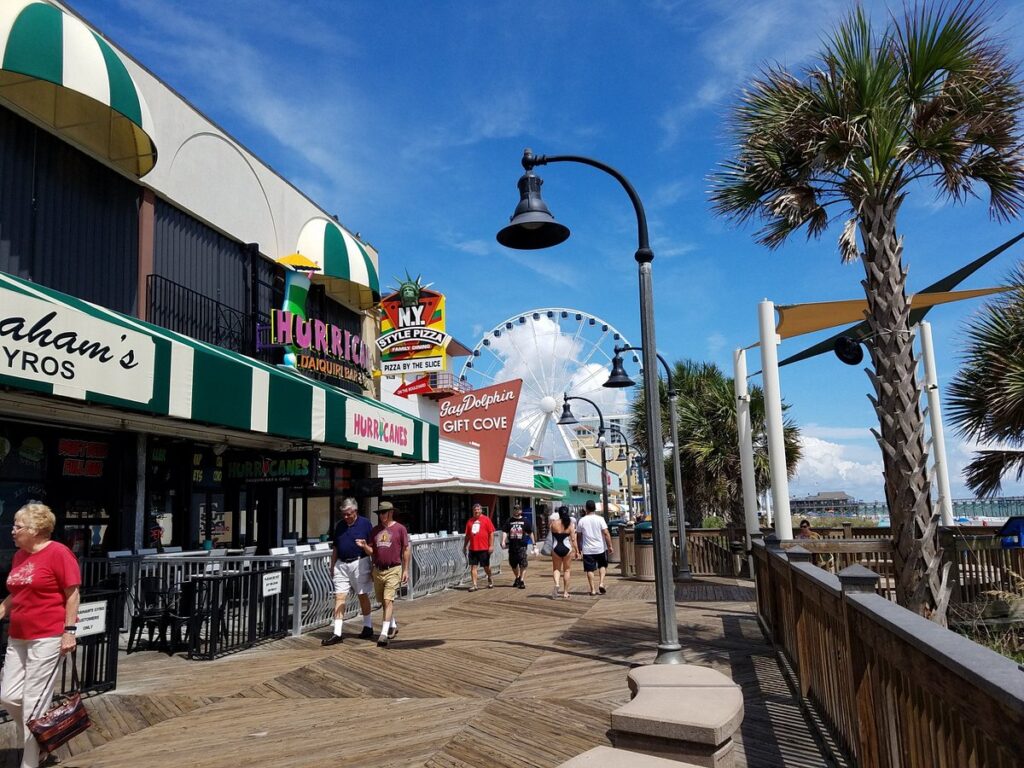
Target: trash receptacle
643	551
613	531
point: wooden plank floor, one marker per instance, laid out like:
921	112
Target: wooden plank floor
495	678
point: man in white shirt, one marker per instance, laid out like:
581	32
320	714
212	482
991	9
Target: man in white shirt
595	543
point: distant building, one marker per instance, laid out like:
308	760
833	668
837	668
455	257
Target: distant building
826	503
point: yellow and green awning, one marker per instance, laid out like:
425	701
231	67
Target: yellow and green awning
59	345
343	263
60	72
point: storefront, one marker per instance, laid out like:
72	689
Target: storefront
137	436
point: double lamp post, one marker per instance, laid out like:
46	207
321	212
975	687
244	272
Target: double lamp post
532	227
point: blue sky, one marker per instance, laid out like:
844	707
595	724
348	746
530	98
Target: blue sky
408	120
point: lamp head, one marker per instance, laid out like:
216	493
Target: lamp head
532	226
622	455
849	350
618	378
567	418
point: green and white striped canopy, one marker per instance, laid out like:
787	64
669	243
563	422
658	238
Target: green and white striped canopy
342	260
59	345
63	74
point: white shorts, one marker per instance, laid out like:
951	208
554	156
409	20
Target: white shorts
354	576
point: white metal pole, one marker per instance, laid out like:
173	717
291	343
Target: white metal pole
931	386
773	419
745	435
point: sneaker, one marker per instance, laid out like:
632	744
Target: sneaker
392	632
522	584
515	582
382	642
472	589
366	634
332	640
490	584
602	590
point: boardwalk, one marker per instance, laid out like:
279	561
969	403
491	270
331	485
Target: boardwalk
495	678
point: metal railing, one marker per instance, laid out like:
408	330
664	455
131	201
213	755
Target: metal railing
194	314
97	652
232	611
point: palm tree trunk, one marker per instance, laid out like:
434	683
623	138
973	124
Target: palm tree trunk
921	584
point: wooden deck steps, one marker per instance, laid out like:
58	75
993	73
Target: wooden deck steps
494	678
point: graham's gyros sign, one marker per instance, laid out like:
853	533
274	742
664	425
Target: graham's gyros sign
485	417
71	352
412	336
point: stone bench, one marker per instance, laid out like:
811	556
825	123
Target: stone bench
609	757
681	712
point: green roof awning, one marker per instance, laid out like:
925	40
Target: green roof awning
63	346
343	264
545	482
60	72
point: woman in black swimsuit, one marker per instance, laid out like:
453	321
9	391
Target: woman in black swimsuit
563	550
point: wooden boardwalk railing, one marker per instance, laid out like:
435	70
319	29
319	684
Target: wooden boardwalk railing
896	690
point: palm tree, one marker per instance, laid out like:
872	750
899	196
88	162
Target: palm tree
986	398
929	98
709	455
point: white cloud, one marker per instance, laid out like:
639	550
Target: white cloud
828	466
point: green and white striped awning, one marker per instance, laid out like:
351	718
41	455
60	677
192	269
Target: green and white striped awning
343	263
63	74
59	345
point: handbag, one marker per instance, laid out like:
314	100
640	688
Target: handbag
65	718
548	546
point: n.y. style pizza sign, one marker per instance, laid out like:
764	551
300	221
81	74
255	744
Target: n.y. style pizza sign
485	417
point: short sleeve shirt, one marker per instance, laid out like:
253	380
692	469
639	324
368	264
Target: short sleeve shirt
37	582
518	532
345	538
590	528
388	544
480	532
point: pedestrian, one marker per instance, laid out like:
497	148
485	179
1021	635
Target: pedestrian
563	550
515	537
595	542
350	569
478	545
42	606
806	532
391	554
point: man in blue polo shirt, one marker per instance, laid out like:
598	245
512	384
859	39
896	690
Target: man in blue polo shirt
350	569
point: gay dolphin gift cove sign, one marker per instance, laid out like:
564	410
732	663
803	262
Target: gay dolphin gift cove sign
485	417
412	330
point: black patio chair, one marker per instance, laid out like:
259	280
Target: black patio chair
147	609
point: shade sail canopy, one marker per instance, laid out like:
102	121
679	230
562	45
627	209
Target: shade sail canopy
59	345
64	75
342	262
797	319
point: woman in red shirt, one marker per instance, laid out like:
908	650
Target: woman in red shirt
42	607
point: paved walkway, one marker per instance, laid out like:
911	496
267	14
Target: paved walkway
495	678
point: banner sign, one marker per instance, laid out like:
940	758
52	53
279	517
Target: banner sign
292	468
485	417
371	427
73	352
412	330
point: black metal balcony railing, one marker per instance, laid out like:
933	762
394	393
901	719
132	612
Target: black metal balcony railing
193	314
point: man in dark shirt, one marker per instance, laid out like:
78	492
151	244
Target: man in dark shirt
350	569
388	546
515	536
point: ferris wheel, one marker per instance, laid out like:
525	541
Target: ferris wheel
555	351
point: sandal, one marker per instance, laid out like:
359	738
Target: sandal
472	589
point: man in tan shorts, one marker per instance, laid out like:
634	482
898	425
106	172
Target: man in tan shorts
391	555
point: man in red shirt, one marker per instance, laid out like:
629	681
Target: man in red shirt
479	545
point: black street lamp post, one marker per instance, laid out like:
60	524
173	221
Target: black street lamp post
532	226
618	379
568	419
624	455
